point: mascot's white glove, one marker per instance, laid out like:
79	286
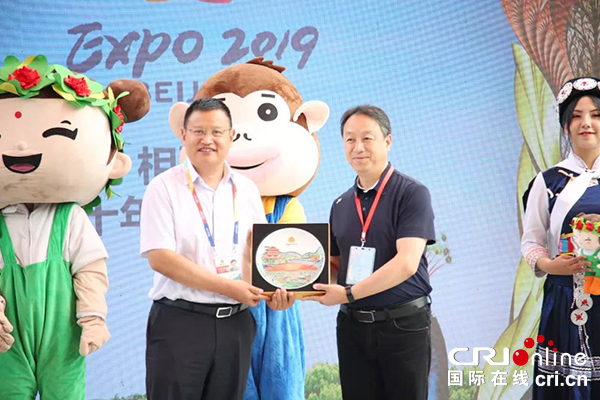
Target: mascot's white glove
6	339
94	334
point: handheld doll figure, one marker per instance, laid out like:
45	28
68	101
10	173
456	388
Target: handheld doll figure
61	145
586	235
276	146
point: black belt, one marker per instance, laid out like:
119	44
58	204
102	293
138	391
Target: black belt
386	313
214	310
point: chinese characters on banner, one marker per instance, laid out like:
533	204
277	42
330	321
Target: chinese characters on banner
152	163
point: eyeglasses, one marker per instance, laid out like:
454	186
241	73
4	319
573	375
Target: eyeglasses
200	133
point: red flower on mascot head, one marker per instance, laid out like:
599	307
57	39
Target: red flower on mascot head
79	85
26	76
117	110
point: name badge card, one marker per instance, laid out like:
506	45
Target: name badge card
360	264
228	267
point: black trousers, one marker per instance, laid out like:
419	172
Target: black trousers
193	356
385	360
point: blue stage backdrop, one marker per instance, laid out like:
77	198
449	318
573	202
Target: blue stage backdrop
443	70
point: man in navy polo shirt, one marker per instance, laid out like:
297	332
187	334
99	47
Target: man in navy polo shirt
379	230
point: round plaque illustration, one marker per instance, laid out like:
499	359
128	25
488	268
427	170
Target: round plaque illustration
290	258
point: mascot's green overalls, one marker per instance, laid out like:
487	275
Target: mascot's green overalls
594	261
41	304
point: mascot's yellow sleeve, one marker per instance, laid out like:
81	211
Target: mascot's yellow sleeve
293	213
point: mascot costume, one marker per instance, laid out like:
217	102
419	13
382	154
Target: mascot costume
61	145
277	147
586	235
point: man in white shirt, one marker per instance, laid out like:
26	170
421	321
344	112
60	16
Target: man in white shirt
196	219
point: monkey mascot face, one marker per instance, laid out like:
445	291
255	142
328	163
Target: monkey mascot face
275	143
55	146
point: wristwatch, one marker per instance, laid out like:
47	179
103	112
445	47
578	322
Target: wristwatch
349	294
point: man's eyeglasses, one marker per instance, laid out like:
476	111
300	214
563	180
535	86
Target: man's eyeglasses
200	133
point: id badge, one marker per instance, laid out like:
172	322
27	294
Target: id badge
360	264
227	266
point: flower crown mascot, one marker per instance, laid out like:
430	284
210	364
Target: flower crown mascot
61	144
277	147
586	234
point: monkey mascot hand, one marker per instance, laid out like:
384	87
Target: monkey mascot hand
61	145
276	146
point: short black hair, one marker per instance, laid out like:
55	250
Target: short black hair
206	104
373	112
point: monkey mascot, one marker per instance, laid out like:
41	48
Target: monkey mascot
276	146
61	145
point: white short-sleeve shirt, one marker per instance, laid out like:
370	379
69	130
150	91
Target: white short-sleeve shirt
170	220
30	235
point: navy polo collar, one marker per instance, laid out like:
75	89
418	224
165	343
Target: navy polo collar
359	190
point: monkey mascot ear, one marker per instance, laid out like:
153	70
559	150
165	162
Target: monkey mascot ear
316	113
176	116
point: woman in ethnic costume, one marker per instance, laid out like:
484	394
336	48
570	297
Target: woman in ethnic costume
569	317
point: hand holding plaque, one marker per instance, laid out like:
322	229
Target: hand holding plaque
290	256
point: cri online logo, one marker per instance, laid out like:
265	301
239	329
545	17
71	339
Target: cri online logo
520	357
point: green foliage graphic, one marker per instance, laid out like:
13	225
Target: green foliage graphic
323	382
465	391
